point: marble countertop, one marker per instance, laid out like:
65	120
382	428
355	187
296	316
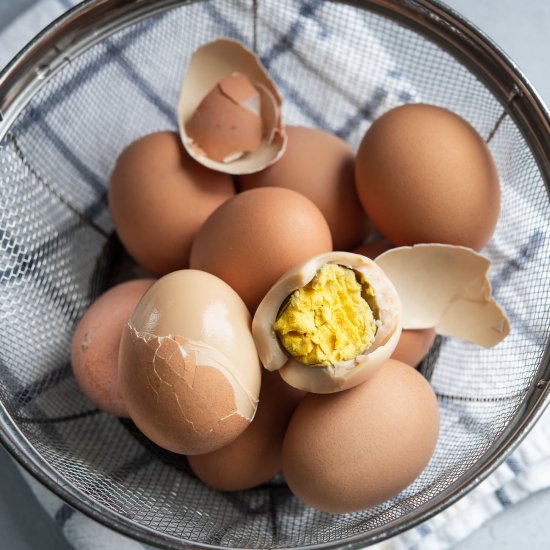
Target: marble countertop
522	30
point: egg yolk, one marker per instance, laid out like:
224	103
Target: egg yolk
328	320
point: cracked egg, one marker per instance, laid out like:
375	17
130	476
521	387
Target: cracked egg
329	323
229	111
188	369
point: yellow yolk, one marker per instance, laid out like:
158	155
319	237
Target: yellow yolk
328	320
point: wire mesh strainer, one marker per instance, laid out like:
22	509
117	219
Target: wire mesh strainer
109	72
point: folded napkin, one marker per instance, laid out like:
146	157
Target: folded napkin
528	469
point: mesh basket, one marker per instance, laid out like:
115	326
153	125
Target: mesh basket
108	73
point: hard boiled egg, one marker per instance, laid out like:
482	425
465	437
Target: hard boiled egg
189	372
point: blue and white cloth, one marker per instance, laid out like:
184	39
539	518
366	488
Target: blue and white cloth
526	471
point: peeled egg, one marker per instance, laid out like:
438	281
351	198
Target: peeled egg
253	238
159	197
320	166
413	345
424	175
328	324
94	349
255	456
188	368
355	449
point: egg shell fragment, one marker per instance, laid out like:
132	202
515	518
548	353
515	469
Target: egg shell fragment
355	449
255	456
446	287
211	64
238	130
342	375
188	368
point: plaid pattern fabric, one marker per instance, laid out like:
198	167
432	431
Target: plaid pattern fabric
346	112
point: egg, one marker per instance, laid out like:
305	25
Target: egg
329	323
446	287
253	238
255	456
355	449
95	343
425	175
227	122
159	197
372	249
188	369
321	167
413	345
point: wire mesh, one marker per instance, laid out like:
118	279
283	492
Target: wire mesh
58	252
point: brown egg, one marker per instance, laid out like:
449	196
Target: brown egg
94	350
159	197
255	237
188	368
372	249
413	345
255	456
424	175
354	449
319	166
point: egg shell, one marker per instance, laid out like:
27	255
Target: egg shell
188	368
159	197
355	449
212	63
373	249
95	343
446	287
252	239
413	346
340	376
320	166
221	127
255	456
425	175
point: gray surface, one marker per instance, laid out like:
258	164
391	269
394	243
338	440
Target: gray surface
24	524
522	29
9	9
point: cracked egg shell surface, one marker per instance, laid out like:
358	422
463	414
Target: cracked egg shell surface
189	371
340	375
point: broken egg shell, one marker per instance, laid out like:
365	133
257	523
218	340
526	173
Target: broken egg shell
237	129
342	375
446	287
209	65
188	368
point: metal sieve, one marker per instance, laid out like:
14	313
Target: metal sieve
108	72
